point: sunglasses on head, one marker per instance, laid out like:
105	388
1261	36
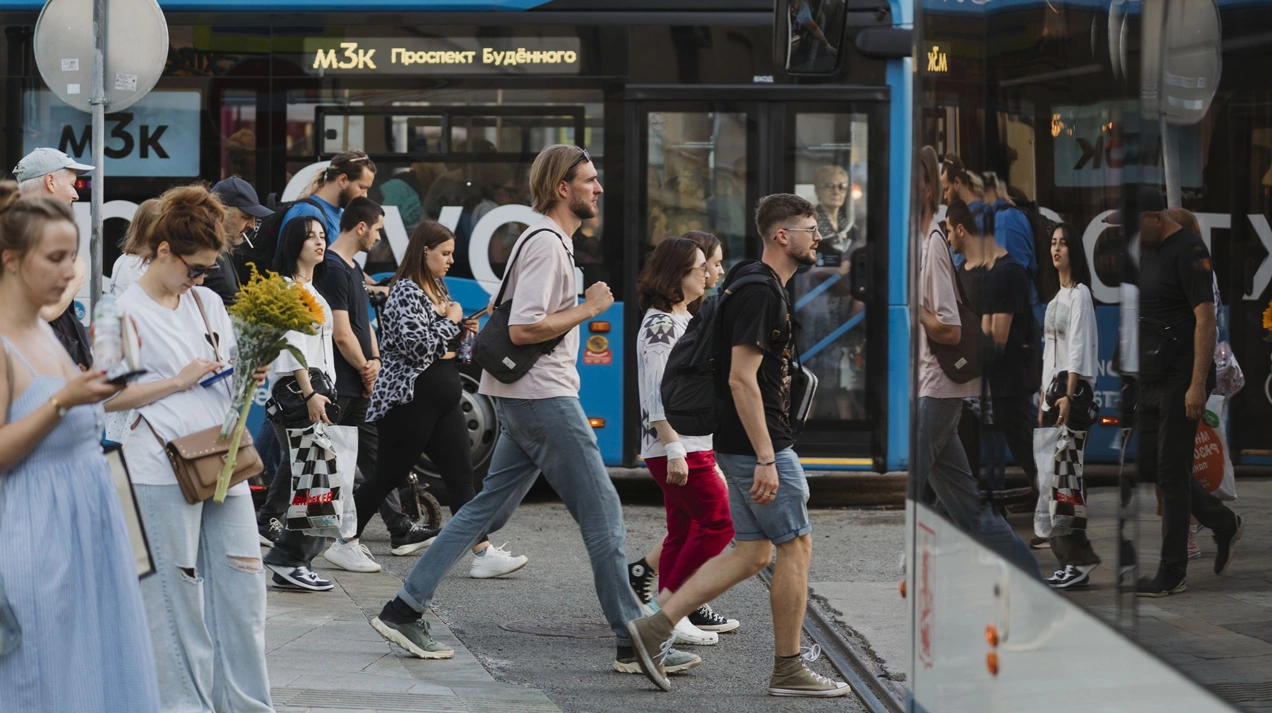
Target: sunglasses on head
196	271
584	156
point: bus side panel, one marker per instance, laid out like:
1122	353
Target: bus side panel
601	379
1050	651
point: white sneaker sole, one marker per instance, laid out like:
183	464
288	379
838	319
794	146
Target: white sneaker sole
476	574
633	667
397	638
412	548
730	625
370	568
801	693
695	638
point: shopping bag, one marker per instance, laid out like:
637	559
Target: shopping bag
318	493
345	441
1061	507
1212	464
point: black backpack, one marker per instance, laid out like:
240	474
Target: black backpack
259	251
692	384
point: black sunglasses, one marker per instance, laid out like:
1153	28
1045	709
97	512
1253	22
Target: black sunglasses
196	271
585	156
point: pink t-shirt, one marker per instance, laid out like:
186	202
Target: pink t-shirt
939	295
549	287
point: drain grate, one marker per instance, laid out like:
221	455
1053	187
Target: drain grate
560	626
1243	692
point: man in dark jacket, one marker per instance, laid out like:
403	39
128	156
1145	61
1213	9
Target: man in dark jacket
242	209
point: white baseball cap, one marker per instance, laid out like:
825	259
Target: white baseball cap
44	161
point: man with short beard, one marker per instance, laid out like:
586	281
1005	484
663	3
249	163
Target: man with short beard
348	176
544	428
754	443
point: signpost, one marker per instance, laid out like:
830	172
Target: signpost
119	49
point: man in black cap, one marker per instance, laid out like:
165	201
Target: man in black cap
243	209
1176	370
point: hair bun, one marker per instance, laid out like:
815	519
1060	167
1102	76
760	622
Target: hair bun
9	194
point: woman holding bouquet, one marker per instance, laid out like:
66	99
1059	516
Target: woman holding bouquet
206	600
416	402
69	578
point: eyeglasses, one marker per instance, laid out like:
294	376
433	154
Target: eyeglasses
815	231
196	271
832	186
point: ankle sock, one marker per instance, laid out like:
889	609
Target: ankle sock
399	611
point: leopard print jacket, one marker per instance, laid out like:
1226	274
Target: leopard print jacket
413	336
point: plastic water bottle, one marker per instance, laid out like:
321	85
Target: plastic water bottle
465	351
107	335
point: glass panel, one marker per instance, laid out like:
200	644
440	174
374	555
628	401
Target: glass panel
513	133
696	180
238	135
830	171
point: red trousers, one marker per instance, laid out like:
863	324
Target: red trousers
698	523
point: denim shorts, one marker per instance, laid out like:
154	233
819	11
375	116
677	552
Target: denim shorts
780	521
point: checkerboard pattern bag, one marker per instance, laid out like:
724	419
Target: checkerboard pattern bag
317	498
1068	503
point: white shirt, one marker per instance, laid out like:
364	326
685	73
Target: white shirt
550	287
1071	341
127	270
659	332
170	340
317	348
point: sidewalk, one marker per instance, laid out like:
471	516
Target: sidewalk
324	657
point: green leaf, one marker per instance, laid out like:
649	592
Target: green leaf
300	357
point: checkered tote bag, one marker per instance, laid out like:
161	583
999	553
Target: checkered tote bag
317	498
1068	503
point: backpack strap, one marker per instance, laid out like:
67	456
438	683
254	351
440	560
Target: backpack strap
503	286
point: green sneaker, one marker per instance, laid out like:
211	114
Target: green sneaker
675	661
413	637
651	639
791	677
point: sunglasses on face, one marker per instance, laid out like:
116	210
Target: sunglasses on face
832	186
196	271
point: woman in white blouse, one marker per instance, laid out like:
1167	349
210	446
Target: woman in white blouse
1070	354
302	247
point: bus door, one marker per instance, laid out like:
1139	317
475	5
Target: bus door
701	160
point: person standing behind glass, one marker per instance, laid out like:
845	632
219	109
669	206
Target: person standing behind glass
206	600
67	566
1070	347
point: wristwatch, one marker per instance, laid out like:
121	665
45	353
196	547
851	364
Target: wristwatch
58	407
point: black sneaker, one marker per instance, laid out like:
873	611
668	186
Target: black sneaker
1039	543
707	620
413	540
270	532
641	576
1223	546
300	579
1160	586
1072	577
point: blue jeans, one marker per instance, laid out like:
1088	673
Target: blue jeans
940	461
551	436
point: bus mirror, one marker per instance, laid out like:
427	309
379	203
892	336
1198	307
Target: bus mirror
860	273
886	42
808	36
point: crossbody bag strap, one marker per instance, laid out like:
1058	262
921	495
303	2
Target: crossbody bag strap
503	287
207	326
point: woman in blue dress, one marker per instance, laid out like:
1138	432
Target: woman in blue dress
66	563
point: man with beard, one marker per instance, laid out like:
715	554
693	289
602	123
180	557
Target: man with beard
544	427
754	443
348	176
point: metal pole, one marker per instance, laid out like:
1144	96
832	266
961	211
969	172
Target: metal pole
99	147
1170	165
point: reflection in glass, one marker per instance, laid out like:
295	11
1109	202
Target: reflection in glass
815	28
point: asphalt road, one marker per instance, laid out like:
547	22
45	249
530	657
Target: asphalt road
575	672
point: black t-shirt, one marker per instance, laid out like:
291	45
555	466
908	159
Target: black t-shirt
1004	289
74	338
754	316
1175	277
344	287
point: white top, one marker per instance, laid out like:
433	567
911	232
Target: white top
659	332
317	348
1071	342
170	340
939	295
550	287
127	270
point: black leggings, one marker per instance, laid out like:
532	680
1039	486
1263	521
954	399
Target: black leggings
432	423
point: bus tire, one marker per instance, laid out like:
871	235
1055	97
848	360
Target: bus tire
483	429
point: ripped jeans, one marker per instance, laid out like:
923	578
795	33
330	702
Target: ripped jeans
205	603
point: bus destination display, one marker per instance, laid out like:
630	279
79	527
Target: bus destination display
449	55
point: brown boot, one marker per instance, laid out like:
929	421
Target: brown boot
792	678
652	638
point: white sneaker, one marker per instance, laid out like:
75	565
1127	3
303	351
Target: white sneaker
496	562
689	635
352	556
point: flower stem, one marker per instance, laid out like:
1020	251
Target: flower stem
231	456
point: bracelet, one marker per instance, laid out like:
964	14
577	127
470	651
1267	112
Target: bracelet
311	395
374	358
759	464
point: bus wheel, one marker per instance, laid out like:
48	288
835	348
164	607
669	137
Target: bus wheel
483	428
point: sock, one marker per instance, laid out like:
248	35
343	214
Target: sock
482	553
792	656
400	611
653	604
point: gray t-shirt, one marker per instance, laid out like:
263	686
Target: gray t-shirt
938	293
550	286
